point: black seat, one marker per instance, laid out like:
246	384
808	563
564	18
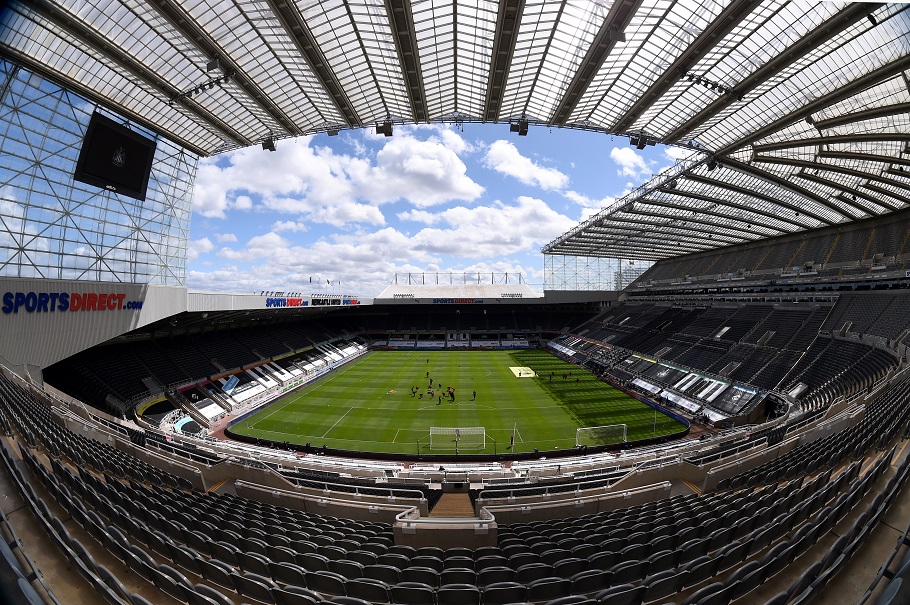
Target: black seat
458	594
375	591
412	593
545	589
504	593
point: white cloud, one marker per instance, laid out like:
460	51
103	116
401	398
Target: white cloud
424	173
679	153
259	247
197	247
367	260
289	226
488	231
629	162
325	187
418	216
589	203
226	237
502	156
454	141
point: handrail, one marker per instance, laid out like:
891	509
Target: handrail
411	517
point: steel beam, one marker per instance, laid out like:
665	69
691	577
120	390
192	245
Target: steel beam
777	64
401	20
507	22
297	30
611	31
194	34
874	77
714	34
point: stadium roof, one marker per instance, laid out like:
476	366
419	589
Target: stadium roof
799	110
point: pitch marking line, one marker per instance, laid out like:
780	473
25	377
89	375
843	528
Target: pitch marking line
302	436
396	435
336	422
304	390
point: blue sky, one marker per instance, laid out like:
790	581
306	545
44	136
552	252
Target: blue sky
358	208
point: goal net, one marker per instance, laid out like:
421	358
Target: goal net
461	438
601	435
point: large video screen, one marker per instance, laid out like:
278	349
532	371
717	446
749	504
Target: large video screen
115	158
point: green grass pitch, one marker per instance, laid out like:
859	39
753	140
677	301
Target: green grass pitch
367	405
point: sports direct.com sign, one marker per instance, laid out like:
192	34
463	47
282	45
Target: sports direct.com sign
58	302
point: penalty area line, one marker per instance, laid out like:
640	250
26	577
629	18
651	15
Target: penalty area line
396	435
336	422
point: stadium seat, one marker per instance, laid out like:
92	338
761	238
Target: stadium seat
458	594
701	569
218	572
326	582
143	564
137	599
779	599
412	593
663	584
386	573
430	551
113	582
394	559
295	595
701	593
458	562
569	566
287	573
495	575
253	562
348	569
481	563
213	594
421	575
589	581
253	586
628	572
348	600
503	593
663	560
313	562
457	575
533	571
375	591
545	589
364	557
621	594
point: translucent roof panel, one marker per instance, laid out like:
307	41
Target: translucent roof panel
798	109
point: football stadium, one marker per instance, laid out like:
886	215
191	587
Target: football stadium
724	421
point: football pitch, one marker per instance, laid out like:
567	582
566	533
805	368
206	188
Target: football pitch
367	405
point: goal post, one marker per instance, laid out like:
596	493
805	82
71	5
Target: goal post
458	438
608	434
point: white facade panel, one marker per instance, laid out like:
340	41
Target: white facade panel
43	321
